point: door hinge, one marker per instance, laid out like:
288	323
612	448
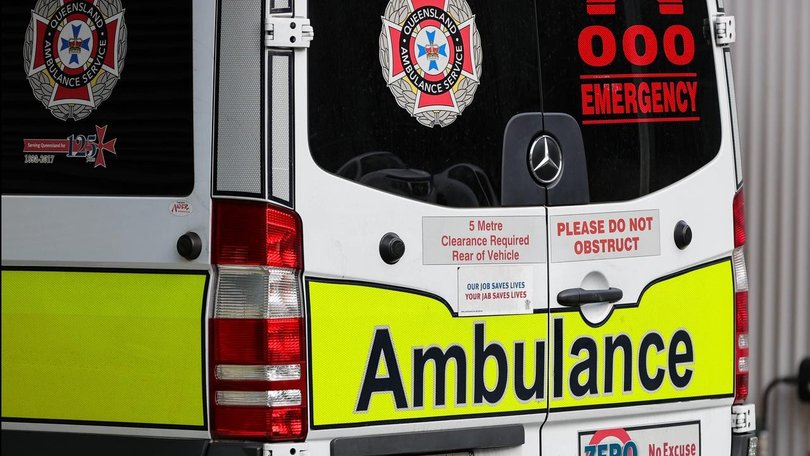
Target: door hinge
743	419
725	30
287	32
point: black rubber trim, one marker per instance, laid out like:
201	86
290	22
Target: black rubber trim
740	442
33	443
234	449
431	441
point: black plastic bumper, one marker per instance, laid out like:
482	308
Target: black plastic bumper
30	443
741	444
34	443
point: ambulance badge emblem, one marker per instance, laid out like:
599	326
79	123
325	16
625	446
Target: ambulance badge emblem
74	53
430	53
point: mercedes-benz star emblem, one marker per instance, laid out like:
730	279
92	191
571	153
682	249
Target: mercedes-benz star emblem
545	159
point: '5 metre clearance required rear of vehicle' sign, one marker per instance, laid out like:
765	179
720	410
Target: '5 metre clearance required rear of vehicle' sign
410	357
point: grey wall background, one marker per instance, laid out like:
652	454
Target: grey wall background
772	74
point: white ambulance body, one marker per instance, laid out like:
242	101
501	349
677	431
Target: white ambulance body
412	227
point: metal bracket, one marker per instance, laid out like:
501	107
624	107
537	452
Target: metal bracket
743	419
287	32
725	30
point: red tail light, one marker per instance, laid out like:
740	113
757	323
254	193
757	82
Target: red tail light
256	234
258	360
739	219
741	347
281	341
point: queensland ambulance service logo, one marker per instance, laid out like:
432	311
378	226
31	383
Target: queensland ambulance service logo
430	52
74	53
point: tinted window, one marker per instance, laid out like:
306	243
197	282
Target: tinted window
381	113
97	98
639	77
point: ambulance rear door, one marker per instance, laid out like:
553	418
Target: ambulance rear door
106	158
426	296
641	288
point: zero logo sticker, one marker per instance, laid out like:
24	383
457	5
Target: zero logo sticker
430	52
681	439
74	54
614	441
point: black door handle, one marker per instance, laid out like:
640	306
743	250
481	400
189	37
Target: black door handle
575	297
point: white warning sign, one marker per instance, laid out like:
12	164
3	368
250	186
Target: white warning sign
483	240
677	439
495	290
602	236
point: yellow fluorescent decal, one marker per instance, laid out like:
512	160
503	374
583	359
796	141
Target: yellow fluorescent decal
107	347
382	355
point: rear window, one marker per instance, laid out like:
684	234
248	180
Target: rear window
638	76
369	123
97	98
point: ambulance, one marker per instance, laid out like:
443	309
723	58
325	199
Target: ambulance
400	227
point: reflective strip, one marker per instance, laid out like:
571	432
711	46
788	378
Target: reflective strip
115	347
280	120
239	154
678	339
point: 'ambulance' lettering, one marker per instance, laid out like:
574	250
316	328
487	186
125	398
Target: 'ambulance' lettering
582	379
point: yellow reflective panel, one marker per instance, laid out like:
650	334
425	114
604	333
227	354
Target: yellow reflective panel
383	355
677	344
363	335
109	347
